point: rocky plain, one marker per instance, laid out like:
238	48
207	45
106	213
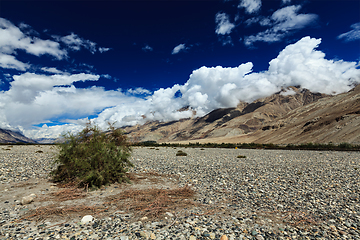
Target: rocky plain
208	194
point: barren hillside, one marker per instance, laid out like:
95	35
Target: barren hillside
8	136
290	116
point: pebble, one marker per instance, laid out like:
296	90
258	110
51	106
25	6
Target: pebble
270	194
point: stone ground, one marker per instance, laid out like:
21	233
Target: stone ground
265	194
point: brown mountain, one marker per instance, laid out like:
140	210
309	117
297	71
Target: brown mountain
281	118
8	136
332	119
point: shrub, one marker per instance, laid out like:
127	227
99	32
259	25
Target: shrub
181	153
241	156
93	158
345	145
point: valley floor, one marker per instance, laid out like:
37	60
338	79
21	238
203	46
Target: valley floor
243	194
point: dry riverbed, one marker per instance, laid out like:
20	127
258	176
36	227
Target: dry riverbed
269	194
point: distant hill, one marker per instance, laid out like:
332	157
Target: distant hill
8	136
46	140
291	116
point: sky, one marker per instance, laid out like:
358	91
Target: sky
63	63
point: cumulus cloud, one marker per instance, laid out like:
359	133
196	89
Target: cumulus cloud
352	35
281	23
33	99
209	88
224	26
178	48
251	6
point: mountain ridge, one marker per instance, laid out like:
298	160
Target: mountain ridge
10	137
293	115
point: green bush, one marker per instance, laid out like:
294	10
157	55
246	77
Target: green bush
93	158
345	145
241	156
181	153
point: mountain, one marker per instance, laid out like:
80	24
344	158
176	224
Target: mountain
292	115
332	119
46	140
8	136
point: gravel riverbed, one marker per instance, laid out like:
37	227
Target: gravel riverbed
268	194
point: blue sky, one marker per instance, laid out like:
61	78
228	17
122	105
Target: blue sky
64	62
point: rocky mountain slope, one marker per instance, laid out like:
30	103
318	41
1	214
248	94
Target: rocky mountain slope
290	116
8	136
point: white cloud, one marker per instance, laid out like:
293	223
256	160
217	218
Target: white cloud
147	48
52	131
209	88
74	42
52	70
138	90
178	48
352	35
103	49
10	62
286	1
34	99
251	6
282	23
13	39
288	92
107	76
28	86
224	26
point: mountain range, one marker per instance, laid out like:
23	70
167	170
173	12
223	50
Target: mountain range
8	136
293	115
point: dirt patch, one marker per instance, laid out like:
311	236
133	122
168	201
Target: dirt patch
148	195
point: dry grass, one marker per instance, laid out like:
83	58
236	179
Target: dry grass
54	210
69	194
153	202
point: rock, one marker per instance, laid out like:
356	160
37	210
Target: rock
259	237
169	214
87	219
28	199
192	237
224	237
144	235
152	236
